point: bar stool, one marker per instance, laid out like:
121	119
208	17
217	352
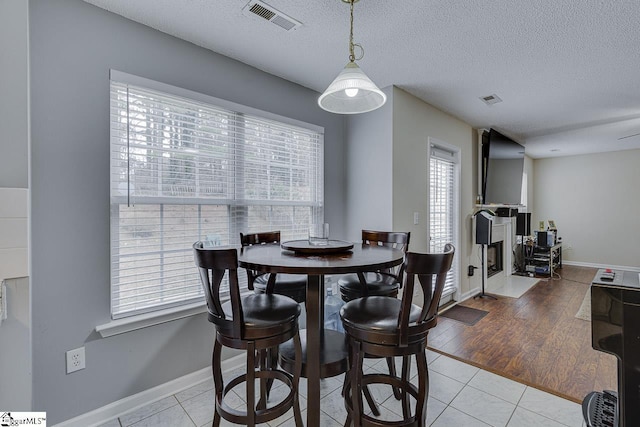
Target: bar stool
390	327
292	285
380	283
255	323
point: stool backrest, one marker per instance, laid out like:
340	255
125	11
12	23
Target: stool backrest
260	238
391	239
431	271
212	265
264	238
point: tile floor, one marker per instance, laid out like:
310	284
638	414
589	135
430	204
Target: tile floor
460	395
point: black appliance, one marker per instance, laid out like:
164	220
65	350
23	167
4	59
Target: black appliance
523	224
502	168
484	224
484	227
615	329
506	212
541	239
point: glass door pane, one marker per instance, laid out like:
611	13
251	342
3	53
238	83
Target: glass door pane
443	210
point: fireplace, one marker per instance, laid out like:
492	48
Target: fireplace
494	258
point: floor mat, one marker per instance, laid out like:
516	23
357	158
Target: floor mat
584	312
467	315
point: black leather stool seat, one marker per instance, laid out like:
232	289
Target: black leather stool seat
292	285
264	315
376	317
379	284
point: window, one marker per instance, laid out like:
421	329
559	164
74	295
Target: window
444	207
188	167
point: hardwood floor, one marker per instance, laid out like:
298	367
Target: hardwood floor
535	339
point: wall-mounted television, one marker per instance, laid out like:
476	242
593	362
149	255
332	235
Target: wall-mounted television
502	169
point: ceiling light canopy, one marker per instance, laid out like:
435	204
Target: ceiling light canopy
352	92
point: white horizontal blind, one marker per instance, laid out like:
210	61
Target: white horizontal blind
443	209
184	170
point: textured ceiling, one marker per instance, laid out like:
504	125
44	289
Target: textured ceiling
566	70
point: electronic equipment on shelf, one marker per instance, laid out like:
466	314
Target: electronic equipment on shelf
543	260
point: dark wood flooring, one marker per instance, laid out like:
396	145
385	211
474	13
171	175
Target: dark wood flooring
535	339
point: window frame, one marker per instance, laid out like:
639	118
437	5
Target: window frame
444	152
236	208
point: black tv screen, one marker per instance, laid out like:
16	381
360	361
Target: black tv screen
502	169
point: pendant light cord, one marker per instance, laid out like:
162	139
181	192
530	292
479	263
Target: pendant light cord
352	45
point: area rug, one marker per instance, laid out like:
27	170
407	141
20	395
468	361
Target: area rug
467	315
584	312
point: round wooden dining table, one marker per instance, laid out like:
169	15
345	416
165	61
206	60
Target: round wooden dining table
324	351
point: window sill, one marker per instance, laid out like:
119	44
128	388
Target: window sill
121	326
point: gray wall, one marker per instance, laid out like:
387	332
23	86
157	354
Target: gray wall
73	46
15	331
13	93
414	122
594	201
388	170
370	171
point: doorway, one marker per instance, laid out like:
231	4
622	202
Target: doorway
444	207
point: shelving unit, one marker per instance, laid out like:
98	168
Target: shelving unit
544	260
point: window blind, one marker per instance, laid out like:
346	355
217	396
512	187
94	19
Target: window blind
443	208
184	170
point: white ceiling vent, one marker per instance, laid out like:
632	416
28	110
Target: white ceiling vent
264	11
490	99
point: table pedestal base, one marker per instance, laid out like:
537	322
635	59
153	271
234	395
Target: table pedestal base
333	354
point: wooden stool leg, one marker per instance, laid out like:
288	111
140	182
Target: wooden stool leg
406	407
392	371
423	388
263	366
268	361
250	385
296	380
356	384
272	362
345	383
370	401
218	382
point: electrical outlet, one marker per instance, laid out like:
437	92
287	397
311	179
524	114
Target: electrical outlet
416	218
75	360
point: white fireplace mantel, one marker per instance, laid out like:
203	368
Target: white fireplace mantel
502	231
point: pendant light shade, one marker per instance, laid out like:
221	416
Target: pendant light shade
352	92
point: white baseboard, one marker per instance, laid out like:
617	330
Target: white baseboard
469	294
594	265
120	407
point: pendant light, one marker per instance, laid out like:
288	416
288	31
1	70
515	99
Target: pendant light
352	92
